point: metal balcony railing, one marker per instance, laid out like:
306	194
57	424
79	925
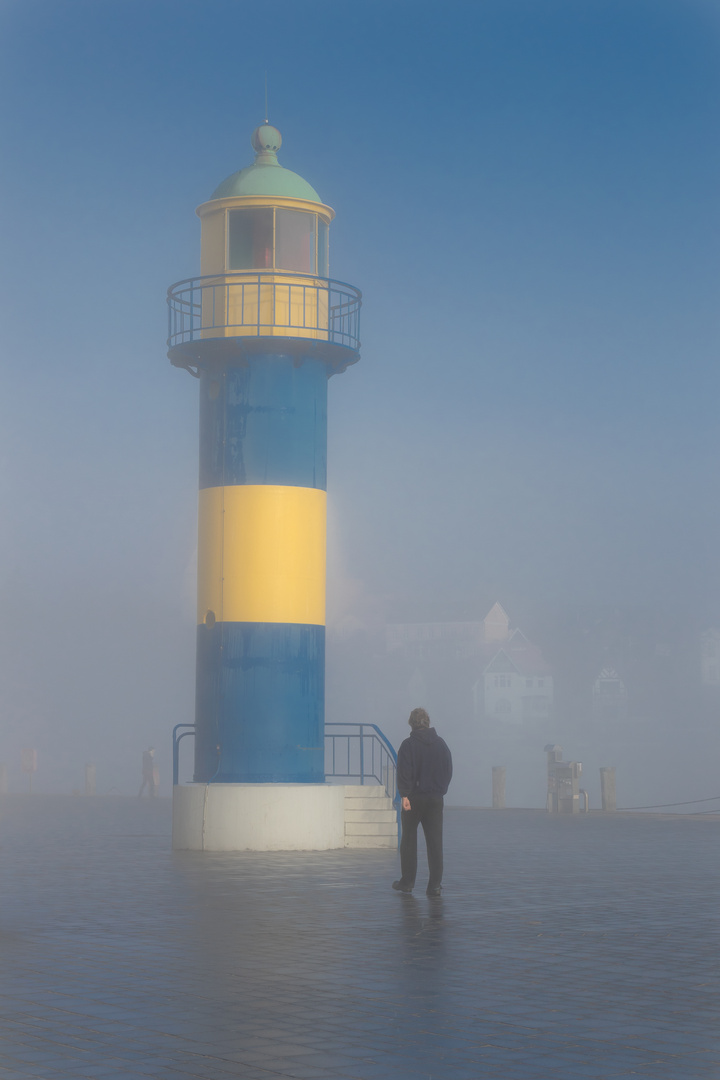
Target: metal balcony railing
262	304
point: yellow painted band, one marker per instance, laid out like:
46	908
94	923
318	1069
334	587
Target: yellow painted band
261	554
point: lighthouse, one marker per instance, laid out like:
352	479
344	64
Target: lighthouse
262	329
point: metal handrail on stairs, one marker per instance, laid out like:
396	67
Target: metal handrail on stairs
363	753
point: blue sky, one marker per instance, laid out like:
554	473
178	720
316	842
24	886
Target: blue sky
526	193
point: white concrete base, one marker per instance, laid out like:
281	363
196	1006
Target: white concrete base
258	817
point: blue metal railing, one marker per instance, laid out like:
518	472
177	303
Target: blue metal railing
258	302
361	753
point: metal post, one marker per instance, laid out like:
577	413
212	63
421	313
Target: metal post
176	747
498	787
362	756
176	759
89	778
554	755
607	788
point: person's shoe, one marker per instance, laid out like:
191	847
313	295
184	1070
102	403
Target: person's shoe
434	892
400	886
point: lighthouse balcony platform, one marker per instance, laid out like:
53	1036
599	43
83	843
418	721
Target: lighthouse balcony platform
218	315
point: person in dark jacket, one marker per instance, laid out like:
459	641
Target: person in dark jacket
424	771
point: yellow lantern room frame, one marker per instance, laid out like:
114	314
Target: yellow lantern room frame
273	263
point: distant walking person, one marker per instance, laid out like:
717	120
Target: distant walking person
149	773
424	771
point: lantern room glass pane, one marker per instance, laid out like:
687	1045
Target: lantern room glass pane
295	241
323	260
250	239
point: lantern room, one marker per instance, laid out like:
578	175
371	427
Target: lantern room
265	217
264	269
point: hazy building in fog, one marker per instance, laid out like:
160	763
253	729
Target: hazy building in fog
500	668
609	696
710	657
516	686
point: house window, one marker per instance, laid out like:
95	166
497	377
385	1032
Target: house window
535	704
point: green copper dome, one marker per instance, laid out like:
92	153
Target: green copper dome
266	177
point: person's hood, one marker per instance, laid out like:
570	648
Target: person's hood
424	734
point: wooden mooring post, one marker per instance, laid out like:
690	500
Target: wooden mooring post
607	788
89	779
498	787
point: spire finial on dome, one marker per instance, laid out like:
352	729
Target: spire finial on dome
266	141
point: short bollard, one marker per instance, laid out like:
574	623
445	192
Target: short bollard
607	788
498	787
89	779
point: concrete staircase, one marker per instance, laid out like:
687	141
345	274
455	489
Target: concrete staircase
370	820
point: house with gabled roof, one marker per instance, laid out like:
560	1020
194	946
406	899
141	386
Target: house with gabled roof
509	678
516	685
609	696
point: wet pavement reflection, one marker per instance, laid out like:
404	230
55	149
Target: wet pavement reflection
561	948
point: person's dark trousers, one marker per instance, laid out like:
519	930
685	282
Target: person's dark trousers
427	811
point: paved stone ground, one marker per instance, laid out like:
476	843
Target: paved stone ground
562	949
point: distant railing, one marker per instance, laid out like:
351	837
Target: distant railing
258	304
